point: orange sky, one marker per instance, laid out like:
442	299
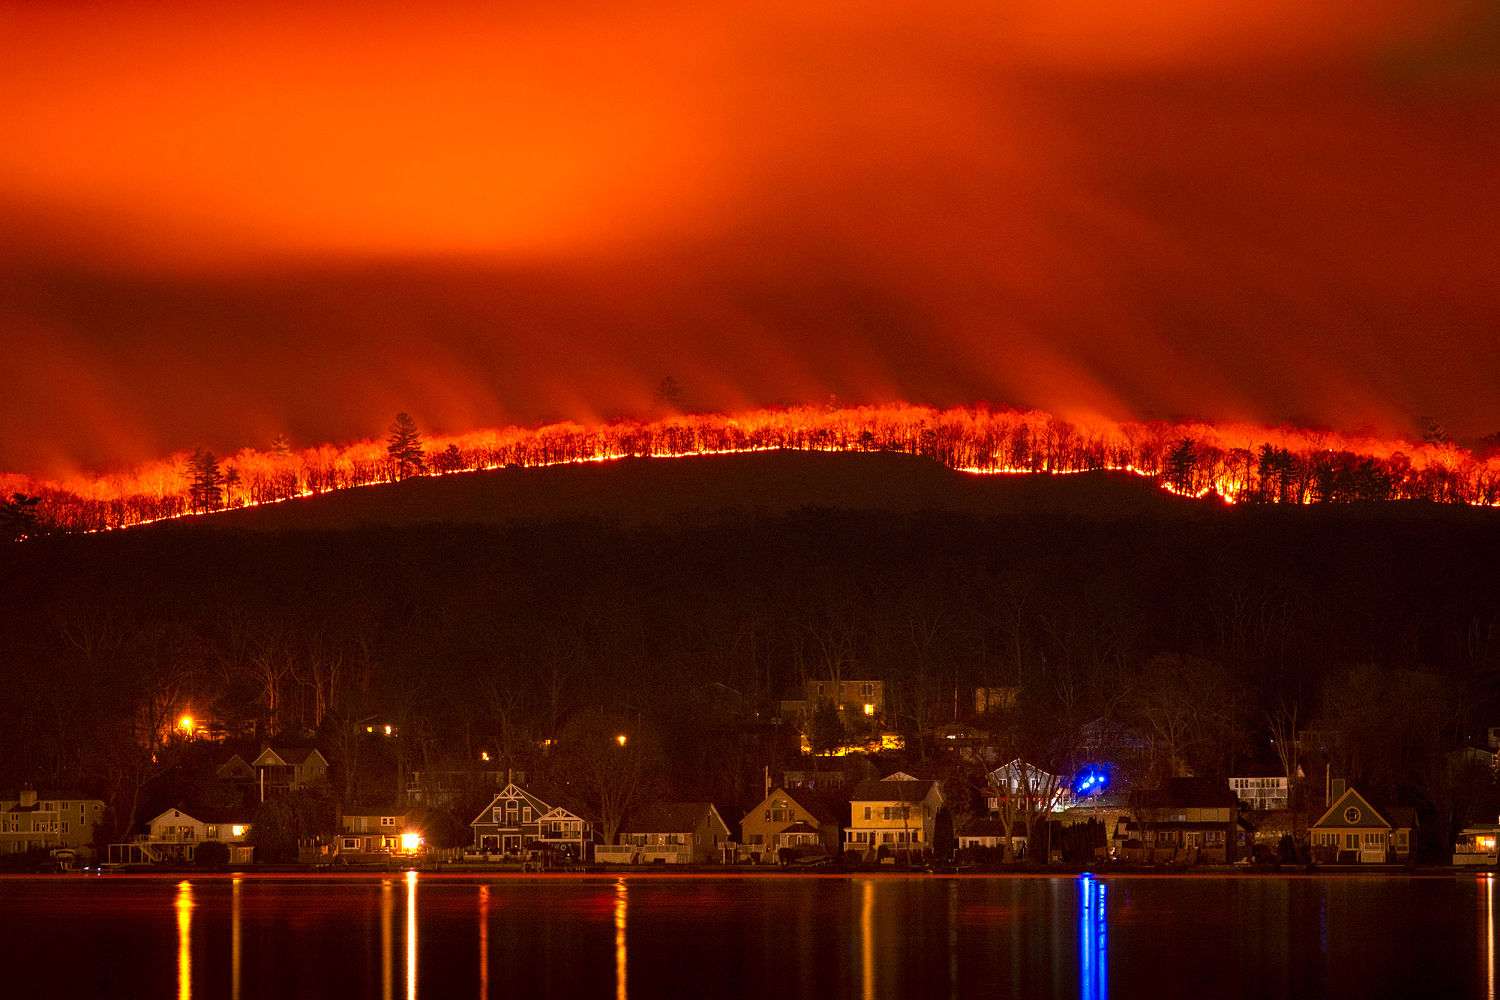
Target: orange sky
222	221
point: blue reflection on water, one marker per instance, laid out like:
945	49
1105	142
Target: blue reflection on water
1093	939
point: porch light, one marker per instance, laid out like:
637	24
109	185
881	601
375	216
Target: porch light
620	739
186	724
411	841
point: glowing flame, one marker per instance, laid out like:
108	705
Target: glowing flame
1235	462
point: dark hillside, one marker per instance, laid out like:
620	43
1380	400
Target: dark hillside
751	573
663	491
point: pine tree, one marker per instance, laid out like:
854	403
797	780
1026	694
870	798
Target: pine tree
205	482
1181	462
405	447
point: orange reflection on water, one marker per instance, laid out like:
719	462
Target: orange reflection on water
234	940
620	991
867	939
185	940
411	936
484	942
387	905
1489	934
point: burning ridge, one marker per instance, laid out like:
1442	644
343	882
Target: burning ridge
1238	463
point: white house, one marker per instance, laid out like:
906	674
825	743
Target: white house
1261	793
176	834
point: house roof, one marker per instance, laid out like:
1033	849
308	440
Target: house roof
206	815
1190	793
669	817
887	790
1353	811
992	828
53	795
287	756
543	800
800	827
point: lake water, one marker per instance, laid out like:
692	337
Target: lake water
436	936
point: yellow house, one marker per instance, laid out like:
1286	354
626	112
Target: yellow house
1353	830
898	812
788	819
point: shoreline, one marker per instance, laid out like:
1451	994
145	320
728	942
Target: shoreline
636	872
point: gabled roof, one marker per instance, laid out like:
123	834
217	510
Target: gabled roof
1353	811
542	800
54	795
800	827
235	765
896	788
993	828
1191	793
808	804
671	817
206	815
287	756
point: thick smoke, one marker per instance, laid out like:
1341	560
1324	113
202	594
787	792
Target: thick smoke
223	223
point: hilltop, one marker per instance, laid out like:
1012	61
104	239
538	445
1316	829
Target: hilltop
636	492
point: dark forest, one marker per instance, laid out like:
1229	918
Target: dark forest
1199	628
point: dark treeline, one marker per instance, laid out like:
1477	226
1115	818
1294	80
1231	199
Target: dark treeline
1198	630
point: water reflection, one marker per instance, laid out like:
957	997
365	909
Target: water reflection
185	940
387	909
484	942
1489	933
867	938
234	939
620	991
1093	939
411	936
953	939
873	937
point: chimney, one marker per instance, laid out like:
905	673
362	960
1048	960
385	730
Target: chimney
28	798
1336	790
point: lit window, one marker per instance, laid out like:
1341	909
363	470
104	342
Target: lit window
869	709
237	830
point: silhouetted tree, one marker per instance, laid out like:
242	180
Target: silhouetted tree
205	482
405	447
826	731
615	764
1182	460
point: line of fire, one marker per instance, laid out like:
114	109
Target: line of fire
1231	462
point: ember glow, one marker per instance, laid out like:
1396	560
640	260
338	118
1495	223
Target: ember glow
1237	463
223	221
